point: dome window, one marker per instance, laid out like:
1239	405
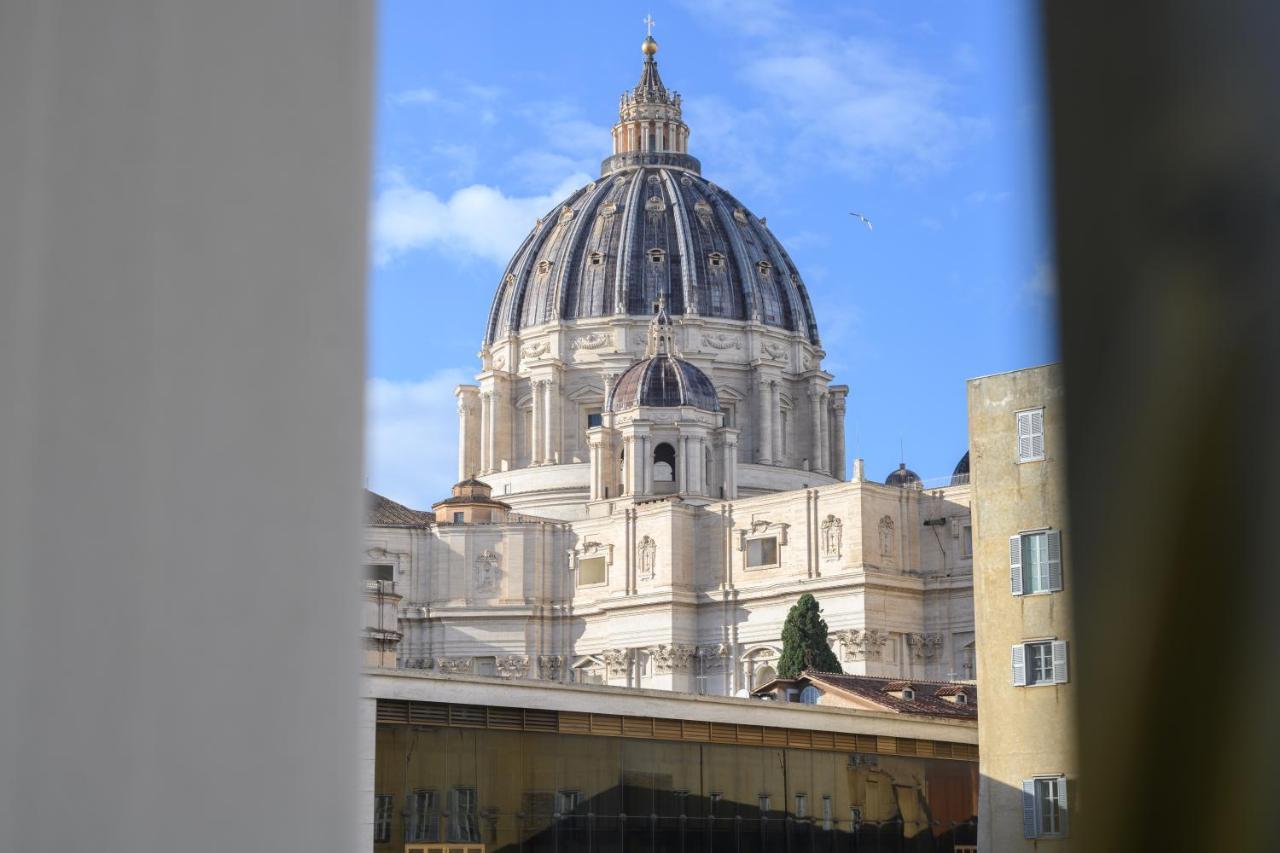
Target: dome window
657	255
595	259
716	260
544	266
608	209
703	209
740	215
764	268
566	214
655	204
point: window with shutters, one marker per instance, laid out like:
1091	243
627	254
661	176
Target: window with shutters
1035	562
810	695
422	816
1039	662
1031	435
1044	807
382	809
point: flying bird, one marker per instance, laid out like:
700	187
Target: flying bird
865	221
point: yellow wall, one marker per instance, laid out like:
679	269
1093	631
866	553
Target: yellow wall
1022	731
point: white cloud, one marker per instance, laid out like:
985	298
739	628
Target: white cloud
479	220
859	105
1044	281
415	96
411	434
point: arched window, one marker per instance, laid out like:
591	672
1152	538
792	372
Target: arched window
764	675
809	696
656	255
664	463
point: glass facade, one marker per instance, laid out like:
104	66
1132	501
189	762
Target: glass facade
555	792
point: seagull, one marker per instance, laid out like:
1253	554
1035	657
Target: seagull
865	221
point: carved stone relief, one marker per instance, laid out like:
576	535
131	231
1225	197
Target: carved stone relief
535	350
512	666
721	341
487	572
616	661
550	667
923	646
648	552
593	340
859	644
774	350
453	666
671	658
886	537
832	529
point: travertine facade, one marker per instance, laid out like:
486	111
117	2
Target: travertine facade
1024	618
667	464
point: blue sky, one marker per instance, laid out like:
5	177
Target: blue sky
926	117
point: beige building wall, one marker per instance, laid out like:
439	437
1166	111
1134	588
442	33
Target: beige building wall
1025	731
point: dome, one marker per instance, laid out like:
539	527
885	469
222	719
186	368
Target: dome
960	476
650	225
663	380
903	477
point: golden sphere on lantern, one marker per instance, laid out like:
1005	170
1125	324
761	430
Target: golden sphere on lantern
650	47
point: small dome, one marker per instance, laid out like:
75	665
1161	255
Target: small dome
663	380
960	476
903	477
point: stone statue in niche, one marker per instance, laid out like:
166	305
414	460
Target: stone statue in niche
886	537
831	534
487	572
648	558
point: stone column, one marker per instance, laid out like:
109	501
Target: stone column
549	422
700	465
824	421
681	472
535	422
836	439
730	465
468	433
815	409
764	422
486	432
775	415
645	458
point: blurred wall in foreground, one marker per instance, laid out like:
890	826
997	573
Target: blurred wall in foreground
1165	119
182	220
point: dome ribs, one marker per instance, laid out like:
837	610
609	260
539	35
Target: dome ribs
621	292
598	264
688	303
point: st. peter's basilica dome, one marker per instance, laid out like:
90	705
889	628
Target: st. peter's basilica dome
650	225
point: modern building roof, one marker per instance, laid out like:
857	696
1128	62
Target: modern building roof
384	512
650	225
928	697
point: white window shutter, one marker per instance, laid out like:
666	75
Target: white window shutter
1053	544
1019	665
1029	808
1037	434
1059	661
1015	564
1062	805
1024	435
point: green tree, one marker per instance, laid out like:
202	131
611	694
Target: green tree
804	641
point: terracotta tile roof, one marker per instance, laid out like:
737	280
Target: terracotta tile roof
384	512
879	692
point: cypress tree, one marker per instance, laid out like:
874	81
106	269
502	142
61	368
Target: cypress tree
804	641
